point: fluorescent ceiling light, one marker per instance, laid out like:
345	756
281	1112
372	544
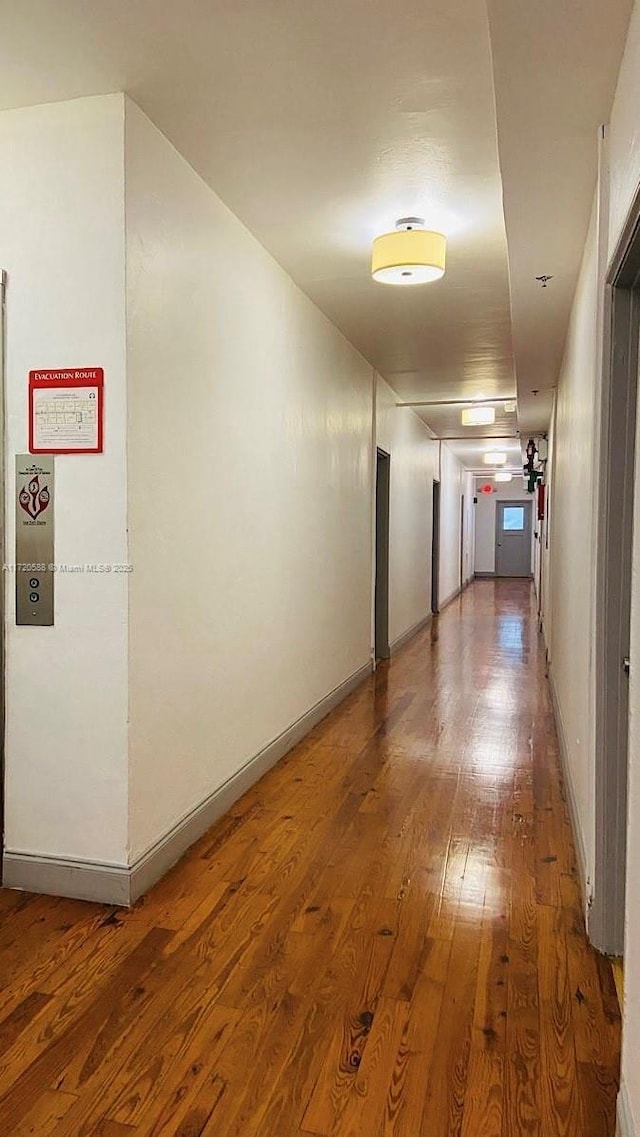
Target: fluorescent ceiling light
410	255
495	458
502	476
478	416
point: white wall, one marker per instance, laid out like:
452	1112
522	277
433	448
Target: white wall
250	422
238	456
631	1030
415	461
62	244
624	134
251	480
543	566
454	483
485	512
469	534
570	600
571	550
624	158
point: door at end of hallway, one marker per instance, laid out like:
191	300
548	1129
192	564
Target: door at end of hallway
513	538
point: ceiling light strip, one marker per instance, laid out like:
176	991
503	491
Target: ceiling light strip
476	437
458	402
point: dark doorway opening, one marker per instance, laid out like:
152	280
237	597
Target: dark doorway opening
435	550
383	471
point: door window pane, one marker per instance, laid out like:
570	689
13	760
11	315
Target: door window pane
513	518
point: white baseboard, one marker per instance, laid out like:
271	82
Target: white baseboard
401	640
450	599
124	884
626	1126
455	594
61	876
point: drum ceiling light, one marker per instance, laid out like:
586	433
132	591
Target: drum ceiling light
409	255
478	416
495	458
502	476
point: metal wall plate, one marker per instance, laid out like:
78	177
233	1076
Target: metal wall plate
34	567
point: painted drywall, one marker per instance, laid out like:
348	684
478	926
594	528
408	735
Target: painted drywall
250	430
485	526
631	1028
624	135
543	575
469	532
250	447
251	443
61	241
571	550
456	483
415	463
624	167
62	245
631	1010
570	607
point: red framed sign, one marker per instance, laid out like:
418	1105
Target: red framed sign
540	501
66	410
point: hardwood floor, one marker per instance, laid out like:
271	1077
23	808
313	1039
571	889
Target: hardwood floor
382	938
618	978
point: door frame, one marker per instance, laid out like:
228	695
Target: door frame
3	450
614	536
528	507
435	547
462	542
381	646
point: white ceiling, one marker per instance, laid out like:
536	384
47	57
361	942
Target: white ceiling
320	122
471	454
445	422
555	68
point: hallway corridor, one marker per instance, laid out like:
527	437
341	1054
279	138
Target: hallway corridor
383	936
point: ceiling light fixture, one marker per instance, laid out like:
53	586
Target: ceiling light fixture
495	458
503	476
478	416
410	255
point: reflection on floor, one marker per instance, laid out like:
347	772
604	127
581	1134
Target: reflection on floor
383	937
618	976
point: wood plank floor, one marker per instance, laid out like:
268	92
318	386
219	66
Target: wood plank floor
382	938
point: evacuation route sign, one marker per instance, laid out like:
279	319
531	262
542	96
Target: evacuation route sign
66	410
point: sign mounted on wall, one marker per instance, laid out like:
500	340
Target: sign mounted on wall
540	501
66	410
34	567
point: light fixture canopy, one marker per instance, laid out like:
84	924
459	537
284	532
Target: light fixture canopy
409	255
495	458
503	476
478	416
